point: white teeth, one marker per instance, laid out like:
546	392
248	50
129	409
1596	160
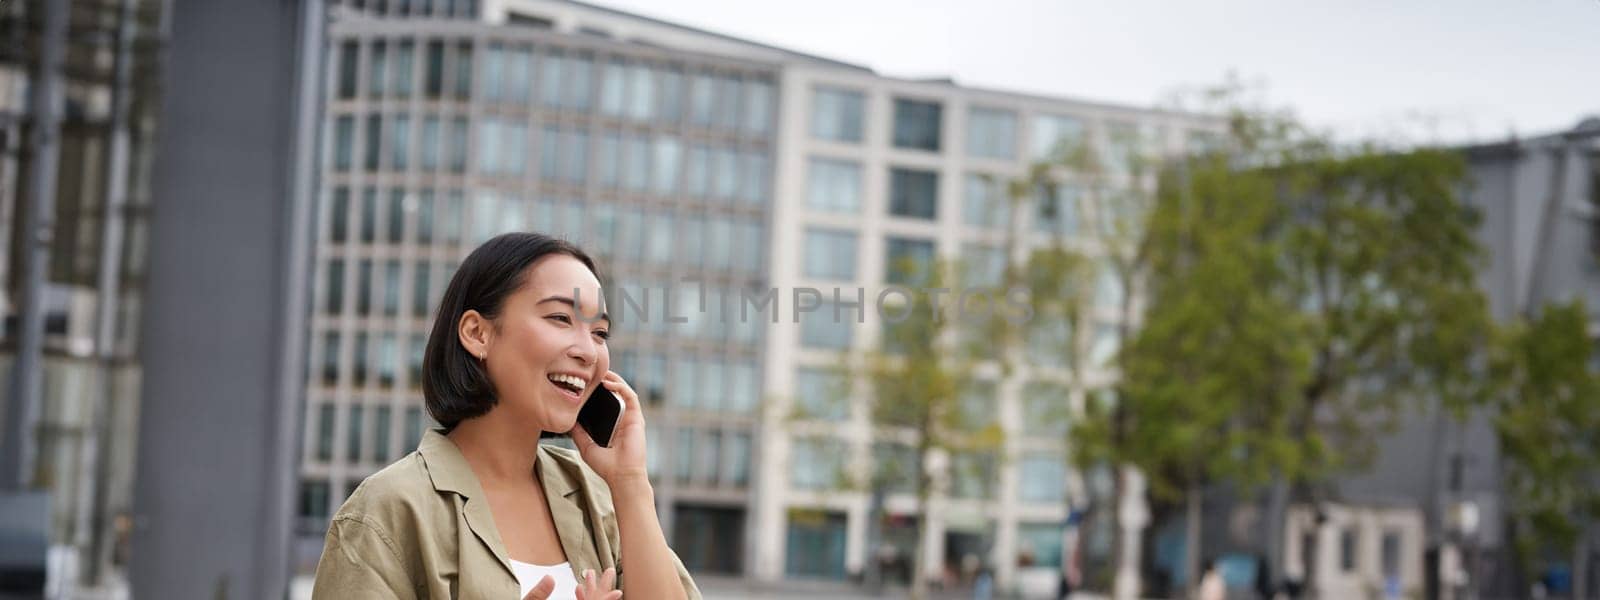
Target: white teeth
569	380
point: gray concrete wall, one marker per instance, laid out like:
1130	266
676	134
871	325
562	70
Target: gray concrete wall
224	305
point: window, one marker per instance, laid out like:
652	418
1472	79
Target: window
339	215
1391	554
821	394
575	158
982	265
978	405
463	70
451	223
1347	549
493	67
1050	343
429	147
580	93
518	67
753	182
391	288
830	327
358	360
744	392
419	347
373	154
913	194
726	173
711	456
344	133
985	203
1108	286
662	237
816	464
699	170
895	467
330	357
1122	148
1042	478
425	216
369	215
325	424
837	115
352	449
388	357
413	427
703	100
380	434
1046	408
685	380
397	215
727	115
613	80
1039	544
347	69
421	295
972	475
404	59
457	152
991	133
683	470
637	176
758	107
641	92
377	65
314	501
610	156
671	96
916	124
364	287
1107	341
335	287
739	459
834	185
665	168
433	75
830	254
1057	209
1054	136
551	66
908	261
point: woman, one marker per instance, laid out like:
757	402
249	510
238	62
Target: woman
481	509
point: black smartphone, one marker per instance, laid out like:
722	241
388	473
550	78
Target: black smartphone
600	414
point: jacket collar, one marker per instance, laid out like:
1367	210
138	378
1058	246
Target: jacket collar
449	472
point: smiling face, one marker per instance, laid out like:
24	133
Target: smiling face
546	350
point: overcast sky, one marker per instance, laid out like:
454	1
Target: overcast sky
1474	69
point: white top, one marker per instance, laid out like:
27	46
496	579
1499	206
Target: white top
528	575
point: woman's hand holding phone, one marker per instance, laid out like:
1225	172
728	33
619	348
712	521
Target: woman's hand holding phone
624	460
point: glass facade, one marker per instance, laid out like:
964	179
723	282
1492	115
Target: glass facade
659	167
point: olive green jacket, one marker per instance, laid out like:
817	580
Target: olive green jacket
421	528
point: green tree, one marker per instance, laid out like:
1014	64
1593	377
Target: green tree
918	385
1219	355
1548	422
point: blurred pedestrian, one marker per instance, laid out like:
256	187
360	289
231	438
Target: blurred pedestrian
1211	585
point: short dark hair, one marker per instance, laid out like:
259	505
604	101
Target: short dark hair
455	386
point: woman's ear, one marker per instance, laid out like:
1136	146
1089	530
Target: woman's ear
475	332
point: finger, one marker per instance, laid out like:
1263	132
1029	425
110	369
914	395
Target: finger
579	594
542	590
588	578
613	595
580	436
615	383
608	579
